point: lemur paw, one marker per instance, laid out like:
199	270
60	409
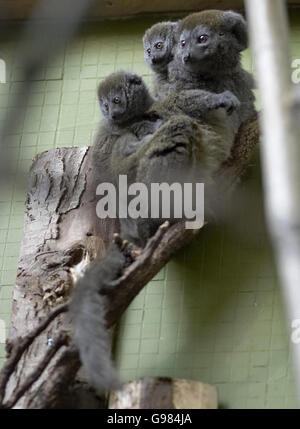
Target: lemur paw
117	240
130	250
229	102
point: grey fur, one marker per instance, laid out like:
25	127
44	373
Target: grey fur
159	42
180	148
133	98
125	126
203	136
87	309
207	57
123	130
183	138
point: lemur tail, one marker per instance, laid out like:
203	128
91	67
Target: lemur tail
88	309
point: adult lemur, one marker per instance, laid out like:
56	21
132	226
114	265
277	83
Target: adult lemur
181	145
208	56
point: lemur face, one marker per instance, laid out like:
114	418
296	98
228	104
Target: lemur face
122	97
158	45
198	44
113	104
207	38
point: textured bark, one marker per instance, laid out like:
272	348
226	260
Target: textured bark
62	234
60	228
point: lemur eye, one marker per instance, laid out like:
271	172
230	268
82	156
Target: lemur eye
105	106
117	100
203	38
182	43
149	51
159	45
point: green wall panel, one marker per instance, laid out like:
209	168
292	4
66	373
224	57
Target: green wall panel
214	313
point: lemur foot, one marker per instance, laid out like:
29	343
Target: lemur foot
130	250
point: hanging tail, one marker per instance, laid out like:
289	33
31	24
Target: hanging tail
88	309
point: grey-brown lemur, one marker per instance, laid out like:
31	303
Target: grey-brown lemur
182	148
184	137
208	56
159	42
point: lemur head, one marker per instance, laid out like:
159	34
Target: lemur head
123	96
158	45
211	40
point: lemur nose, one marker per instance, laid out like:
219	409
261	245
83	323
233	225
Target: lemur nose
186	58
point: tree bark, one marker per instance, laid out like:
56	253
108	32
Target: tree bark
60	230
62	234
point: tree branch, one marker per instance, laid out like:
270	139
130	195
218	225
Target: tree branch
15	349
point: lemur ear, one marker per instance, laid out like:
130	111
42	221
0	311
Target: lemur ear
134	79
237	25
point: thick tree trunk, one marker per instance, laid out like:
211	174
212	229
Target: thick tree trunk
62	234
60	229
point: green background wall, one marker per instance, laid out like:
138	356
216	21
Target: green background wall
214	313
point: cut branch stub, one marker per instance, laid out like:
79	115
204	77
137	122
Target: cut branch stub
164	393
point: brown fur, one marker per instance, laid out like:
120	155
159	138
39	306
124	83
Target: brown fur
210	18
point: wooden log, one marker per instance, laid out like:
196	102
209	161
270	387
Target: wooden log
21	9
61	230
164	393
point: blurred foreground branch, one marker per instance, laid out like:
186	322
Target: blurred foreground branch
280	149
40	40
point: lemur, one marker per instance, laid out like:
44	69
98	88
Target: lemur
159	42
188	132
180	145
208	56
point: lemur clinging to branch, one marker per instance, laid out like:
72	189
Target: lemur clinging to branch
208	56
175	144
159	43
147	141
202	51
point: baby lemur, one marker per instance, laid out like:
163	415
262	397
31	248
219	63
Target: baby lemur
208	56
124	100
131	117
181	144
159	41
